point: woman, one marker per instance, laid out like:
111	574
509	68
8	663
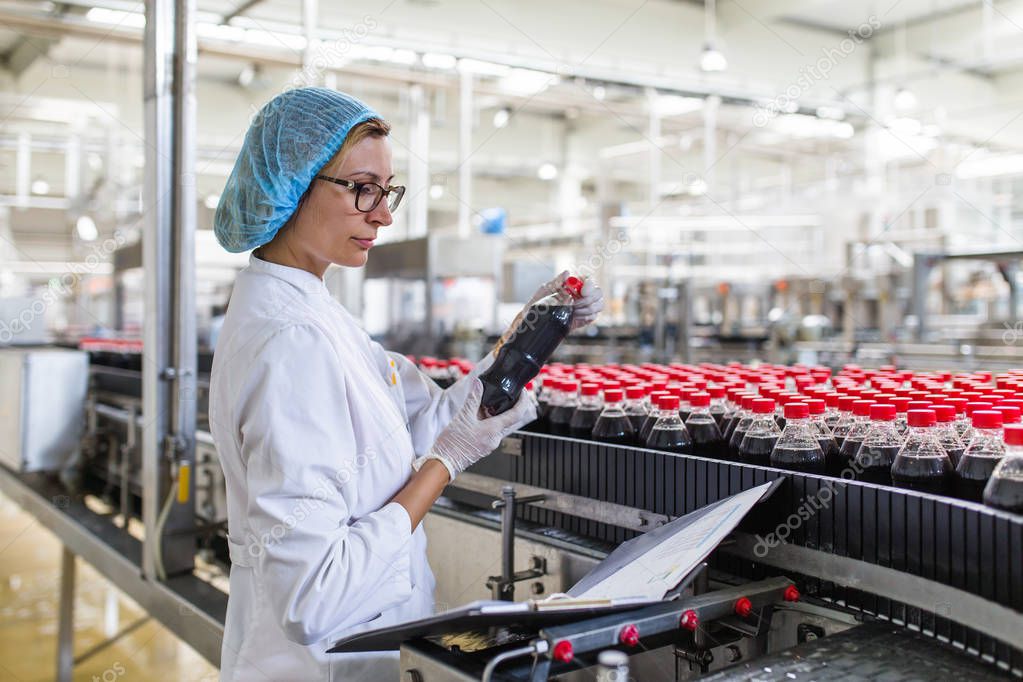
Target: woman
333	449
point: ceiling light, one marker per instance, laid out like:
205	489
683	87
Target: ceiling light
526	81
434	60
831	113
482	68
712	60
436	191
905	100
40	186
86	228
547	171
211	201
676	105
501	117
599	92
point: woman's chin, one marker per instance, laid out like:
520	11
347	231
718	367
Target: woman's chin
355	259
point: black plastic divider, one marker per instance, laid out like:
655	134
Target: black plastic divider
942	539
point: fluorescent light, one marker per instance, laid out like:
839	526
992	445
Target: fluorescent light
831	113
547	171
482	68
434	60
697	187
905	100
990	166
501	117
676	105
599	92
712	60
115	17
436	191
40	186
211	201
526	81
86	228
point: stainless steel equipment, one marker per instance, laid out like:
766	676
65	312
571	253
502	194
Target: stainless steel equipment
41	406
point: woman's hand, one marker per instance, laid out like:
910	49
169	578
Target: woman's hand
468	439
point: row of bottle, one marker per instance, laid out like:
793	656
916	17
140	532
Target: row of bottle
915	444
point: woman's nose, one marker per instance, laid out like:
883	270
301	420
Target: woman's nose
381	215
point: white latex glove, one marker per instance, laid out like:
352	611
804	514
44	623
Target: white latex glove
586	308
467	439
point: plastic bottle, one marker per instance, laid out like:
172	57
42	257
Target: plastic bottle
542	328
586	412
922	463
797	448
703	428
669	433
561	412
882	442
856	433
732	408
761	435
651	418
543	400
717	405
741	418
962	422
613	425
947	433
901	407
845	420
984	451
832	414
635	407
1004	490
832	462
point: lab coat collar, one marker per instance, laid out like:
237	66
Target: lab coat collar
300	279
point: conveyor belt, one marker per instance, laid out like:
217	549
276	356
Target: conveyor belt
874	652
948	541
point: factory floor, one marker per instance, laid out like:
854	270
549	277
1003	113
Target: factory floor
29	594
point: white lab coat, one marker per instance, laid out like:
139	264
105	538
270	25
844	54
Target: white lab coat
317	428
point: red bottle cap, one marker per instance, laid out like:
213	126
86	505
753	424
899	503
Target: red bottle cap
958	403
574	286
668	402
716	391
613	395
748	400
797	410
635	392
882	412
943	413
1013	434
570	386
846	402
861	408
919	405
563	652
699	399
590	389
972	407
816	405
901	404
763	406
986	419
922	417
832	399
1010	413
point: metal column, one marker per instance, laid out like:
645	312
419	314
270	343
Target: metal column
168	256
465	119
66	618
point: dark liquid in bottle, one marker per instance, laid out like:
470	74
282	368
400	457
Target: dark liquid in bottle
613	430
648	425
637	421
683	414
718	412
444	382
670	440
832	419
736	439
729	428
875	463
781	422
1005	493
706	439
926	474
832	458
806	460
558	419
955	454
847	451
543	327
582	422
972	474
757	449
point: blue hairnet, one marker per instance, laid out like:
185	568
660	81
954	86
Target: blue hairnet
294	135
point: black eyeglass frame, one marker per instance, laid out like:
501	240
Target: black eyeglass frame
398	190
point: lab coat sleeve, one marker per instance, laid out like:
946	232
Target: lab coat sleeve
321	570
428	406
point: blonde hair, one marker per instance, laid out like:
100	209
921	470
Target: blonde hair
374	127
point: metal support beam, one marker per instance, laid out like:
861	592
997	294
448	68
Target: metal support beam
66	619
168	255
466	116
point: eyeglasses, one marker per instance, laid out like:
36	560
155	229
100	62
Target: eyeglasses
369	194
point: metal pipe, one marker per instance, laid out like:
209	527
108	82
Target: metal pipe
508	543
66	618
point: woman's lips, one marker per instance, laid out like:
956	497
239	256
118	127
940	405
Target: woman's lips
364	243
